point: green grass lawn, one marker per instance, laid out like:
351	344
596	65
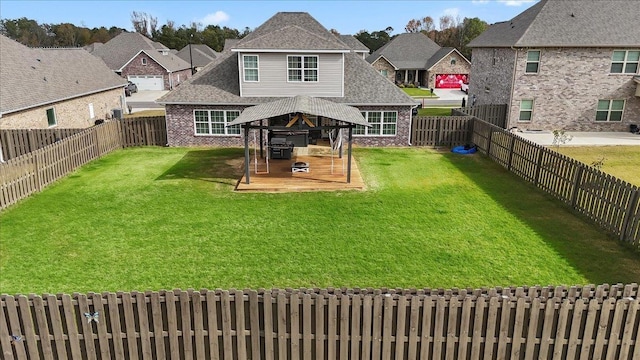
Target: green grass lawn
620	161
439	111
163	218
417	92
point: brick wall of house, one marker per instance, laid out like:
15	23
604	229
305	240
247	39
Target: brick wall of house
180	128
567	88
72	114
491	76
135	67
403	133
383	64
444	67
180	76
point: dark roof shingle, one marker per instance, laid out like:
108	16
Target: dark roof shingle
568	23
407	51
35	77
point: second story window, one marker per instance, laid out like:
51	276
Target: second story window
625	61
302	68
533	62
250	63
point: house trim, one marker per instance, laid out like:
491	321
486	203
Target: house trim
336	51
62	99
447	54
138	53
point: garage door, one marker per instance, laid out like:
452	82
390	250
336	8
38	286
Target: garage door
147	82
450	81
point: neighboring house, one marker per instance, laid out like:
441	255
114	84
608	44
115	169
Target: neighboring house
562	65
200	55
290	54
355	45
64	88
416	59
148	64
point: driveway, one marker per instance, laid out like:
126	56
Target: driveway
545	138
144	100
446	97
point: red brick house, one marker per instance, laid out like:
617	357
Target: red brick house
148	64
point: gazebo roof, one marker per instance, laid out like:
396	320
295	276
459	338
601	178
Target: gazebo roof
301	104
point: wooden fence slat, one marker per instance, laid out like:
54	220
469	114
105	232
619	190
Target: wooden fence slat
367	323
268	326
130	326
425	338
185	320
254	321
412	346
281	316
532	329
101	326
356	332
7	342
387	327
198	327
212	322
614	337
227	341
158	325
30	339
490	337
377	328
56	325
587	339
627	334
546	340
603	327
294	315
13	317
172	325
400	326
563	319
307	315
332	326
87	327
344	326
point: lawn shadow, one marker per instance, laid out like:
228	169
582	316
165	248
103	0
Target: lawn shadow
598	256
218	165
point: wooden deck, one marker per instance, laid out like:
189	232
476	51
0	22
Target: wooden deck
319	178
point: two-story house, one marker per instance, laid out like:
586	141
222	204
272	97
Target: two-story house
290	54
562	65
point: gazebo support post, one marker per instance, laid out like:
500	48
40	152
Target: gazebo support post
261	140
349	155
246	154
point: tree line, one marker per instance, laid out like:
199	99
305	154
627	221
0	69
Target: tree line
451	32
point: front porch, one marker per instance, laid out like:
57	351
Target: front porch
320	177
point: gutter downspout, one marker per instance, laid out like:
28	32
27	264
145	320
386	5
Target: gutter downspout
513	85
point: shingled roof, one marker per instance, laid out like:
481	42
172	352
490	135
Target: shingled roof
567	23
218	82
354	43
117	52
407	51
36	77
200	55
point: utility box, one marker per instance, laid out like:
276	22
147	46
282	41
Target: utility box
117	114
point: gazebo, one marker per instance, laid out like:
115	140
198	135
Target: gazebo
346	117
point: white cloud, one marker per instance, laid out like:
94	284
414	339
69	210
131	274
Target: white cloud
516	2
215	18
451	11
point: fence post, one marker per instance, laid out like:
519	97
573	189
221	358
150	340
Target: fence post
538	165
576	182
489	142
513	142
633	203
438	132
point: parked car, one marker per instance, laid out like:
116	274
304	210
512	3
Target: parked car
464	87
130	88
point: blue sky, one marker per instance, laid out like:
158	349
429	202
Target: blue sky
348	17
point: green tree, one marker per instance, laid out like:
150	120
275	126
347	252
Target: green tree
376	39
470	29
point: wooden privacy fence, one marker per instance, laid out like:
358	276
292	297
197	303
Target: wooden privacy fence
144	131
512	323
32	172
16	142
610	202
493	114
446	131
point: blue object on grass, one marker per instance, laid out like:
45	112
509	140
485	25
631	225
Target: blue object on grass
464	149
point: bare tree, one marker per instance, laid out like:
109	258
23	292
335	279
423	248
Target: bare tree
144	23
413	26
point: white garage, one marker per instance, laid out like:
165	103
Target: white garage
147	82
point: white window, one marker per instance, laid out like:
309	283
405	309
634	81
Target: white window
625	61
383	123
144	61
610	110
302	68
214	122
51	117
384	73
92	114
250	67
533	62
526	110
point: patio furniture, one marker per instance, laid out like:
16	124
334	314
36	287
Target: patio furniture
280	148
300	167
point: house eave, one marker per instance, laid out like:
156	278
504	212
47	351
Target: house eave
253	104
11	111
308	51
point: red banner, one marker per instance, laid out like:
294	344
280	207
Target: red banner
450	81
